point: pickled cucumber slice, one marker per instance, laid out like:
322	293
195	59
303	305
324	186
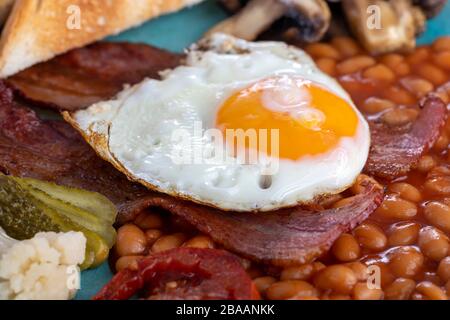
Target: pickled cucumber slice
97	250
86	200
83	218
22	215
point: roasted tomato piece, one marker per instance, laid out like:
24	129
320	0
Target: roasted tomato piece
183	273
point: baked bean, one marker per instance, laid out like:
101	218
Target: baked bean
152	235
393	61
263	283
445	201
443	270
168	242
432	73
327	65
382	270
354	64
406	262
149	221
379	72
441	44
370	237
362	292
438	214
374	105
443	94
442	59
447	288
346	46
417	86
359	269
338	278
343	202
400	289
430	291
303	272
419	56
426	163
346	248
398	95
289	288
439	171
394	207
433	243
403	234
402	69
203	242
438	185
322	50
128	262
406	191
441	143
432	277
399	116
130	241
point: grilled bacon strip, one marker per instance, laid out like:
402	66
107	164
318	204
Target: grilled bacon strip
282	238
53	151
395	150
87	75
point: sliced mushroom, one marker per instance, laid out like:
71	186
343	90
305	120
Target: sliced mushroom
311	17
254	18
385	26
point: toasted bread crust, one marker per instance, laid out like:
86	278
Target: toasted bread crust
37	30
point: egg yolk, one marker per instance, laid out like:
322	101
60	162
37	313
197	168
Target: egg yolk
310	119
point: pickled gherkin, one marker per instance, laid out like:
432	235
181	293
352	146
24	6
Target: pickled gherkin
22	216
89	201
25	209
83	218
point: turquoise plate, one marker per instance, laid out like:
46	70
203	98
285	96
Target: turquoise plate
177	31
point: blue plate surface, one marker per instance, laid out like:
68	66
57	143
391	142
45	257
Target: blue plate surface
177	31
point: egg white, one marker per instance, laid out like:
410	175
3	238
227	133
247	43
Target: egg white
139	123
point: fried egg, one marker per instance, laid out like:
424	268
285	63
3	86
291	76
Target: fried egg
242	126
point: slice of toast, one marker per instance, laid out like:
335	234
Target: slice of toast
38	30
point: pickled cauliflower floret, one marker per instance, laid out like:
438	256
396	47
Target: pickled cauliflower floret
42	268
